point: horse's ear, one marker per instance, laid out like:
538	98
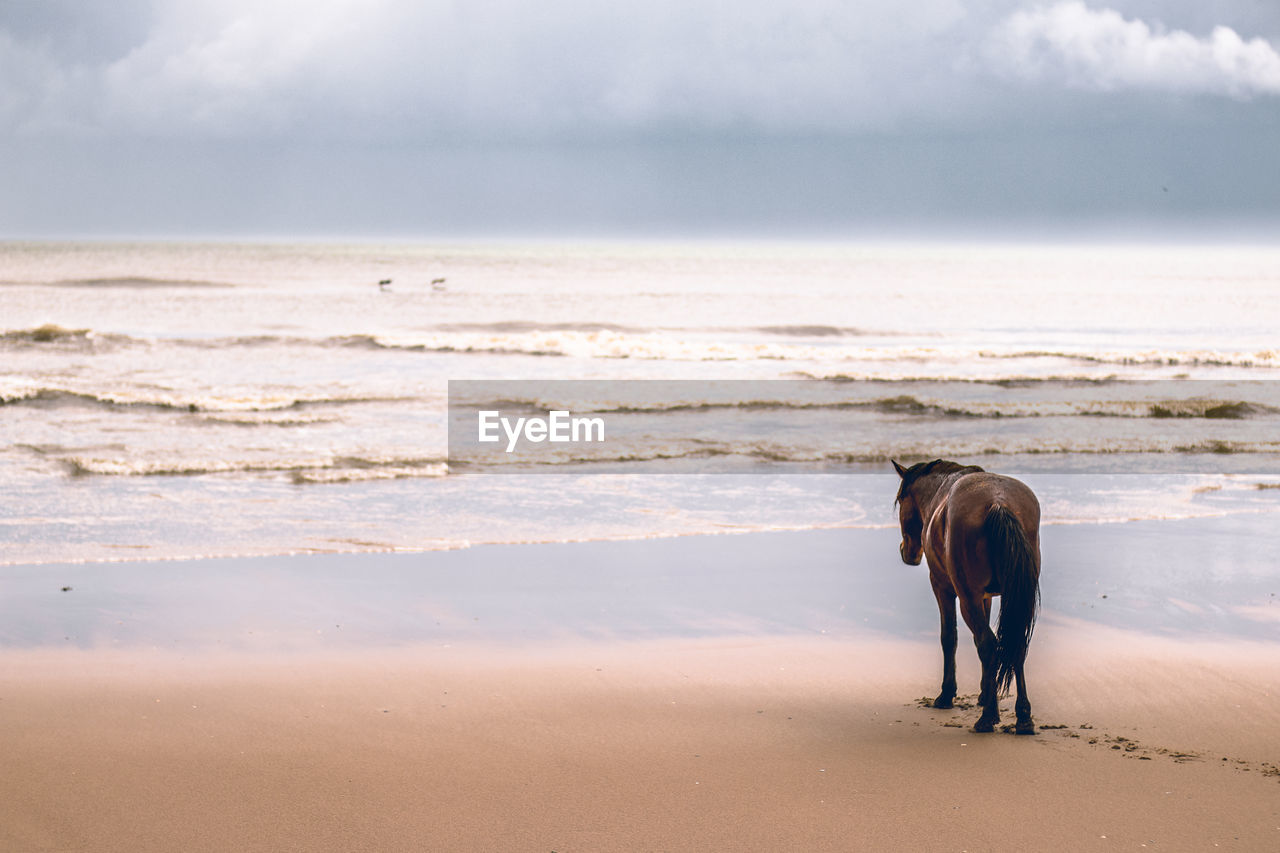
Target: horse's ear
902	472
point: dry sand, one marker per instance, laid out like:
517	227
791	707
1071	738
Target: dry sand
745	743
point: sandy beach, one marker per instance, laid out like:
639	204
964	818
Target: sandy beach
744	744
506	723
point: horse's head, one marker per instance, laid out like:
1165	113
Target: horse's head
910	517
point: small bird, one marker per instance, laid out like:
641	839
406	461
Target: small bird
437	284
382	285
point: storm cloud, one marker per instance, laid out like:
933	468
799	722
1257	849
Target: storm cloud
290	114
491	67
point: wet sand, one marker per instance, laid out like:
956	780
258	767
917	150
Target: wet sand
505	722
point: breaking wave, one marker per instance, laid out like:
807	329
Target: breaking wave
136	282
51	335
723	459
790	343
912	406
49	397
812	331
1155	358
342	469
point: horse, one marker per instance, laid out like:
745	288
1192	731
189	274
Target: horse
981	535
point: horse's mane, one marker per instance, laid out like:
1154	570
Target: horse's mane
937	466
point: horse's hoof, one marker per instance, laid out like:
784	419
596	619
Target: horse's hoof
943	702
1025	727
984	725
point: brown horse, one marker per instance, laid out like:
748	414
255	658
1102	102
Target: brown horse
981	535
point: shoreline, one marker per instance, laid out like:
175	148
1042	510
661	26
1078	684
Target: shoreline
729	693
1174	578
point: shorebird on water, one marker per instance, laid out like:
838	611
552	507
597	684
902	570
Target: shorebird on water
384	284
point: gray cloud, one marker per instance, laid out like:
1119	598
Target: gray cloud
500	66
400	116
73	31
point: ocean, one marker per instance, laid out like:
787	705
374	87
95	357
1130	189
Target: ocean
182	400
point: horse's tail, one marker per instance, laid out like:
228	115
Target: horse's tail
1018	574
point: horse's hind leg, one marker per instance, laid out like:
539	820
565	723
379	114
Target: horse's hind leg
975	616
1022	707
947	609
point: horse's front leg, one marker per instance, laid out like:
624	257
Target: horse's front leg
947	610
977	615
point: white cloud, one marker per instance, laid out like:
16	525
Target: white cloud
1072	45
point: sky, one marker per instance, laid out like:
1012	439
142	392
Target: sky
421	119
